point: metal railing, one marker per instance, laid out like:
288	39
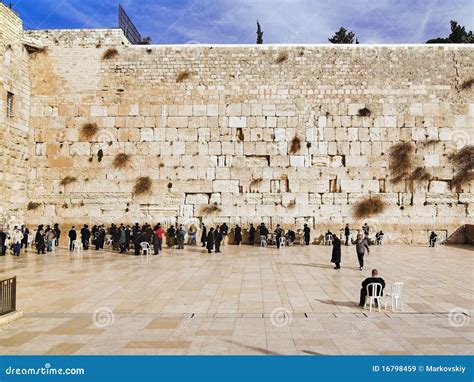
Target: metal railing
7	295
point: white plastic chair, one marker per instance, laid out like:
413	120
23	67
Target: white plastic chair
329	240
145	246
395	296
77	246
376	295
282	241
263	241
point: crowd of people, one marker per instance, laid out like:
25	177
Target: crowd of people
124	238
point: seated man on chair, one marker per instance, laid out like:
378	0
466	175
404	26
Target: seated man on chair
367	281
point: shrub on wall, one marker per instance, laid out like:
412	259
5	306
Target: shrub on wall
121	160
183	75
67	180
89	130
240	134
420	173
295	145
368	207
210	209
282	57
401	160
110	53
142	186
467	84
463	162
364	112
32	206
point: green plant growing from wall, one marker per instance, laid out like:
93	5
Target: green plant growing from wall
463	162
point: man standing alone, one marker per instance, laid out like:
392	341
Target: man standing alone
347	233
306	232
251	234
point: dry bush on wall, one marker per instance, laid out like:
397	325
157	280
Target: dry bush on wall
420	173
463	162
33	206
401	160
368	207
467	84
210	209
121	160
67	180
295	145
89	130
110	53
282	57
142	185
183	76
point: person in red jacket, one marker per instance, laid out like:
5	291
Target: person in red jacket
158	239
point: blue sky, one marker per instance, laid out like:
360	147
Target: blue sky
233	21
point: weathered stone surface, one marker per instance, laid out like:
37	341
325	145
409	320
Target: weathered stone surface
208	139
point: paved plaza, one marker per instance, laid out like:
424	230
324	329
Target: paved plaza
247	300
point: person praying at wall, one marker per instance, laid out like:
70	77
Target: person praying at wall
237	235
278	234
85	236
306	233
217	239
72	234
251	234
203	235
224	231
57	234
210	240
171	236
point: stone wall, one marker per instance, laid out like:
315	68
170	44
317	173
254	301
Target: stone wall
14	131
212	126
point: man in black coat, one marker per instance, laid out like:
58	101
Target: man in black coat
203	234
306	232
210	240
57	233
217	239
85	236
347	233
25	231
336	252
367	281
127	238
251	234
72	237
237	234
3	247
224	231
39	240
